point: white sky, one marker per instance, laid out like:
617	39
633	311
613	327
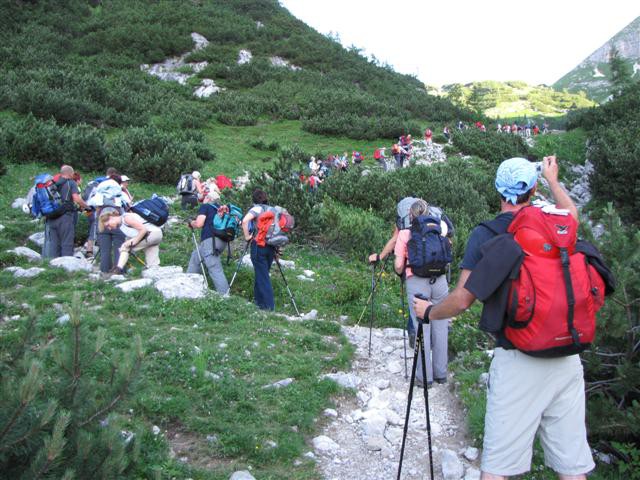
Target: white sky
447	41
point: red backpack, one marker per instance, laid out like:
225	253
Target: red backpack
376	154
553	301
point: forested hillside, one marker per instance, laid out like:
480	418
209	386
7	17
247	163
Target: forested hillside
74	65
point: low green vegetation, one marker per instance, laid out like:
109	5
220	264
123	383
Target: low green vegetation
509	100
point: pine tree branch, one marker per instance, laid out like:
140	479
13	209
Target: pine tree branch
118	397
12	420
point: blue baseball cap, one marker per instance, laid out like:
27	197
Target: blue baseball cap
514	177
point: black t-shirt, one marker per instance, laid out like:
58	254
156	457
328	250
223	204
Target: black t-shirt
209	210
492	259
482	234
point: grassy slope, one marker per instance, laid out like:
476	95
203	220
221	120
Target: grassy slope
260	349
235	154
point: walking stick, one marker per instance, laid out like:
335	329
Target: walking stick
131	253
373	298
417	351
233	279
384	265
404	325
293	300
195	242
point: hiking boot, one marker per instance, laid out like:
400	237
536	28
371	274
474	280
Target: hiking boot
116	271
440	380
418	383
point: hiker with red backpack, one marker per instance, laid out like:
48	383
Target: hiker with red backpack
541	289
266	230
428	136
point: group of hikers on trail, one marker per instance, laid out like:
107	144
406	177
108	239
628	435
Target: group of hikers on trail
524	130
119	228
540	286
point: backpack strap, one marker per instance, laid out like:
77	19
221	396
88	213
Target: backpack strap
571	299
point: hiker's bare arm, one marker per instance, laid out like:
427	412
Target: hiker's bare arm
199	221
560	196
398	264
456	303
248	218
388	248
78	200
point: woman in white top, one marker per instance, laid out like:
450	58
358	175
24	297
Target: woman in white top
140	234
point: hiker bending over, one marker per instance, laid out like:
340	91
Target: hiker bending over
140	236
261	257
427	278
211	247
526	394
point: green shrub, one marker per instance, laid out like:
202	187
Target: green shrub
351	229
154	156
614	151
32	140
489	145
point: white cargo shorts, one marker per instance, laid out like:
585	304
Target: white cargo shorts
528	395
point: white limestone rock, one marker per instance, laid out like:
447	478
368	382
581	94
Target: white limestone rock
26	252
471	454
452	467
37	238
244	56
72	264
132	285
19	202
280	383
159	273
325	445
346	380
199	40
184	285
472	474
207	88
242	475
312	315
19	272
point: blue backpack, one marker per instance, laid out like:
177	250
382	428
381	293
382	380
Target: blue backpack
47	201
428	251
154	210
91	186
226	226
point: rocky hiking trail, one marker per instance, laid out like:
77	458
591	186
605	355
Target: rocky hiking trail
362	437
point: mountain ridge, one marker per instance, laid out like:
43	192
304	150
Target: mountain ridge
592	75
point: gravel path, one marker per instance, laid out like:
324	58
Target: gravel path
362	437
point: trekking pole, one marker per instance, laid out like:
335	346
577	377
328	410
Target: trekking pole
418	350
384	265
293	300
238	266
195	242
404	325
138	258
373	298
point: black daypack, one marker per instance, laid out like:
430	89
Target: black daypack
428	252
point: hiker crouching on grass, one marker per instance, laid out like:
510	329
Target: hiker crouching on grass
435	288
210	247
526	394
140	236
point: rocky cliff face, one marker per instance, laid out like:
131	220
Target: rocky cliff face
592	74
